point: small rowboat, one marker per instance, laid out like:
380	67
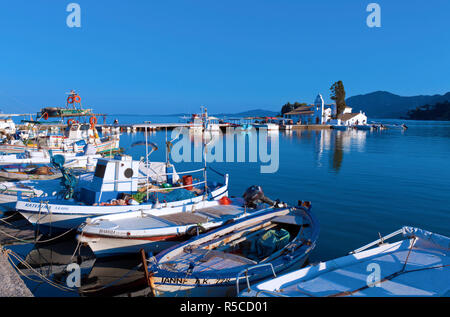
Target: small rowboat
417	265
157	229
26	173
214	263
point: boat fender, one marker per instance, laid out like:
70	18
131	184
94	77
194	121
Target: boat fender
195	230
224	200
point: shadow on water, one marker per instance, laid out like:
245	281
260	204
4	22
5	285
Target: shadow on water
120	276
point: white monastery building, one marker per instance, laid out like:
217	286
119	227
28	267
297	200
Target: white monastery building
320	113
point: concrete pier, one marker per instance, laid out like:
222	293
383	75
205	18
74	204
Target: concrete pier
11	285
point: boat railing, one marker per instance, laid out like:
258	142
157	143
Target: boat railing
377	242
270	293
181	173
246	274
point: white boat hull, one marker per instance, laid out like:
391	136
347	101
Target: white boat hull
65	216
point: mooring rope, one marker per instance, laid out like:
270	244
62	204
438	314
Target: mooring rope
11	254
35	241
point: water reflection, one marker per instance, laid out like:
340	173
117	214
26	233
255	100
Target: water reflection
332	144
120	276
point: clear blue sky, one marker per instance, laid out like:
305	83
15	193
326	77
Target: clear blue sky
156	57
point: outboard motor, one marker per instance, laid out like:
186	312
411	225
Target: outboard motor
255	194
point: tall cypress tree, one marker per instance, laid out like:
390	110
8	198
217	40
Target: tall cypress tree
338	95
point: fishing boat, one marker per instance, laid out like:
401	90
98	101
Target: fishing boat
269	126
157	229
79	160
339	127
9	191
75	137
30	172
119	184
7	125
416	265
73	108
364	127
27	189
216	262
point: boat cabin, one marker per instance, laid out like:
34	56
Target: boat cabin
111	177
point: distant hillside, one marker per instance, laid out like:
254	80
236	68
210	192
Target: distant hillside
439	111
383	104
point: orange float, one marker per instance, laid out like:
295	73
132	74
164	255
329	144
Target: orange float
224	200
77	98
70	99
45	115
70	121
93	121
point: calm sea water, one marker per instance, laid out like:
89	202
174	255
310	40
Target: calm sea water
360	183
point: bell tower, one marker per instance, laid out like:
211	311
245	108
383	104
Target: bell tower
318	109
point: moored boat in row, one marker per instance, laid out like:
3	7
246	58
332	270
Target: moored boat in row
214	263
416	265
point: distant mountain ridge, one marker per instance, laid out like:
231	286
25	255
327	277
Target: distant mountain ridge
383	104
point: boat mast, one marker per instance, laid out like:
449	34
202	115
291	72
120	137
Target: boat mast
146	161
205	125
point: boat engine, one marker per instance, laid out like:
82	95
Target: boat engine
254	194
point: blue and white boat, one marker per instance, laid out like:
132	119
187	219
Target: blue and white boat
118	185
365	127
416	265
158	229
214	263
339	127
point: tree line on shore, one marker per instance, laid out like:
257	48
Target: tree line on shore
439	111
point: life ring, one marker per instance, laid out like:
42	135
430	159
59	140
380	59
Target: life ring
93	121
45	115
70	121
70	99
77	98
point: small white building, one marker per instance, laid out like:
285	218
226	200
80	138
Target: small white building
349	118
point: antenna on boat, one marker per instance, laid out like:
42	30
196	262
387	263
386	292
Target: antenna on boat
146	160
205	125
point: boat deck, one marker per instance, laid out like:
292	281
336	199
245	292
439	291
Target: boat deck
208	260
146	221
424	272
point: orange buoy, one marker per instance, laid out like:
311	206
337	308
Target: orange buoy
224	200
70	121
77	98
45	115
93	121
70	99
